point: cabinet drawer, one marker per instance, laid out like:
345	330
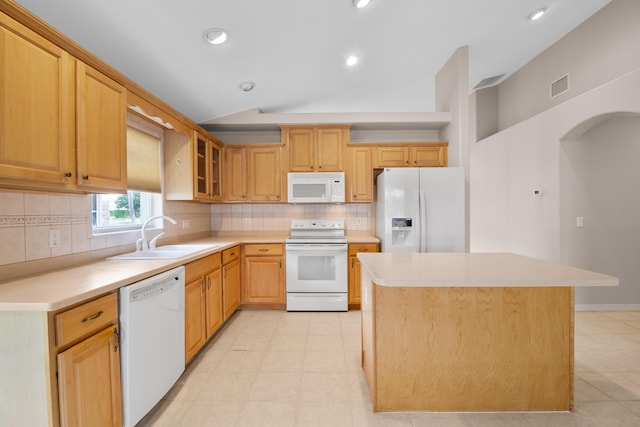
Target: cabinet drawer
263	249
362	247
229	255
86	319
198	268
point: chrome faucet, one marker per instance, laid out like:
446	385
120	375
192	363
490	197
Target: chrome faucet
142	244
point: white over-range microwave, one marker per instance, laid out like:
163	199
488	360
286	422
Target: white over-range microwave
315	187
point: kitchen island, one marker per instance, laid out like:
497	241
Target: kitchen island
469	332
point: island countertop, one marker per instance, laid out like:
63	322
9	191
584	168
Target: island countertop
474	270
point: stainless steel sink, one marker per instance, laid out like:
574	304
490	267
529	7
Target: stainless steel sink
166	252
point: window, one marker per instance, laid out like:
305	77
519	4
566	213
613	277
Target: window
126	212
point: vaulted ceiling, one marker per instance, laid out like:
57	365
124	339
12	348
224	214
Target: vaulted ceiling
295	50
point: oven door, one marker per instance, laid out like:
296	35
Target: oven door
316	267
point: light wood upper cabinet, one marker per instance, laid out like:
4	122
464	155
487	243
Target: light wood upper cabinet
315	149
265	174
60	127
253	173
360	175
235	174
192	166
429	156
207	170
36	108
410	154
101	127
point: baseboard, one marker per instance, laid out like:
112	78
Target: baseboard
607	307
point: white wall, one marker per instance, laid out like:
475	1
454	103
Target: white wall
507	167
599	50
599	182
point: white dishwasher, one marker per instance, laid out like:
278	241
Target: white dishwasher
151	341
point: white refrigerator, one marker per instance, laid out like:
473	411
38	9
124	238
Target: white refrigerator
421	210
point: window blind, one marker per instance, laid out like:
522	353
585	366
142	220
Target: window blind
143	161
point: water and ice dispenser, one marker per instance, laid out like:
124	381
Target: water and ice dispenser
401	230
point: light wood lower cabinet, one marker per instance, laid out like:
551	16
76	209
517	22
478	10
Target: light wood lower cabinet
203	302
263	274
354	271
230	281
89	390
89	382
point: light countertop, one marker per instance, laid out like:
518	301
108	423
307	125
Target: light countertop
474	270
58	289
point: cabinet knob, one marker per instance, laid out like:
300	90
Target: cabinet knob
407	161
355	196
415	162
319	167
85	177
68	175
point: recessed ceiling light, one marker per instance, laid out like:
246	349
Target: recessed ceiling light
361	3
537	14
215	36
247	86
352	60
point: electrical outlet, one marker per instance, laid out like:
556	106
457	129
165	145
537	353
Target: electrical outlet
54	238
247	223
186	224
358	220
579	221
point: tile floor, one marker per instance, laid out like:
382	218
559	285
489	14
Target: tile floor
273	368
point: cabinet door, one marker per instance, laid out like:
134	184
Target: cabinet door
101	127
355	272
214	302
89	382
391	157
231	287
194	312
264	279
215	172
264	174
301	150
428	156
235	175
200	161
361	175
354	280
36	107
329	150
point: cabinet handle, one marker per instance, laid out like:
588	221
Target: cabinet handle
263	250
92	317
280	264
85	177
202	285
68	175
208	282
224	271
352	261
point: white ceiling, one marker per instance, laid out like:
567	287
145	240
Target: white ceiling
295	50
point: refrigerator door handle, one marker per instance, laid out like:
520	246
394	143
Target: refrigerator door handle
423	221
417	224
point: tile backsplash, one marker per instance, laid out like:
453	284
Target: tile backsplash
26	218
275	218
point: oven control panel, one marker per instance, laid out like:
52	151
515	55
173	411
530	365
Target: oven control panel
317	224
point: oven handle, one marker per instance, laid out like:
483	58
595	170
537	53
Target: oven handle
316	247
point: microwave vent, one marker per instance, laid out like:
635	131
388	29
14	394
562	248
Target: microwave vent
560	86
